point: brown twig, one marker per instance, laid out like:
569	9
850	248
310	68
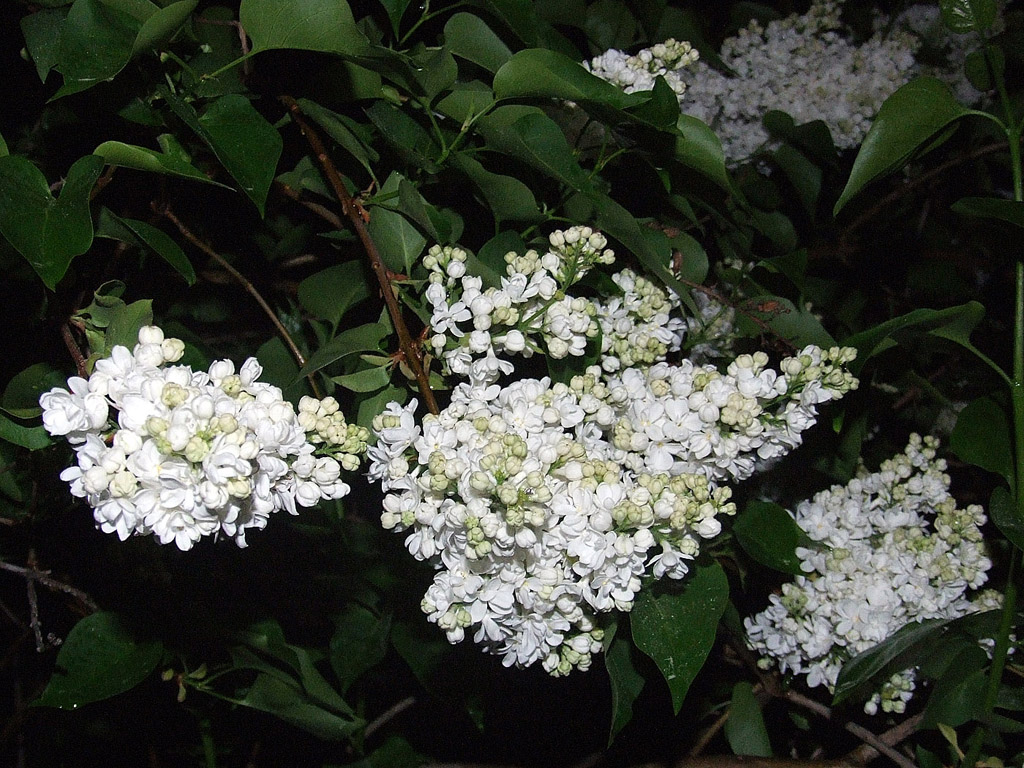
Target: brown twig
351	209
74	349
322	211
869	738
772	684
388	715
102	182
166	212
865	753
33	608
31	573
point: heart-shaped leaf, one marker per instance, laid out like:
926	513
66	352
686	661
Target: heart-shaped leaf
47	231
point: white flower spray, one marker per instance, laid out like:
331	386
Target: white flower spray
544	505
894	548
181	454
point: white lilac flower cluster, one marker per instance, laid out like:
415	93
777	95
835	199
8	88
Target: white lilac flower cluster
637	72
181	454
806	66
893	548
640	327
545	504
528	313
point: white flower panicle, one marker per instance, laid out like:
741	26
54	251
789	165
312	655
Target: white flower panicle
181	454
534	531
806	66
894	548
528	313
544	505
640	327
638	72
690	418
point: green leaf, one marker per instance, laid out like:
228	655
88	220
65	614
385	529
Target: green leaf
909	646
4	152
42	31
745	729
395	9
281	369
626	682
31	438
21	396
100	658
162	25
963	16
982	437
306	25
399	241
124	324
468	36
795	324
366	380
364	338
650	246
245	143
678	630
330	293
395	752
698	147
906	123
507	197
537	72
289	703
423	648
359	643
465	102
147	237
535	139
338	128
959	694
48	232
610	24
407	136
804	175
953	323
985	67
172	161
770	535
1011	211
96	42
1004	514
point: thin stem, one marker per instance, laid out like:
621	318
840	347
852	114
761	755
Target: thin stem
320	210
388	715
248	286
350	208
74	349
44	578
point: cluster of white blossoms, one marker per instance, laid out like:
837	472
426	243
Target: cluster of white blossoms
181	454
528	313
640	327
806	66
544	505
893	548
637	72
